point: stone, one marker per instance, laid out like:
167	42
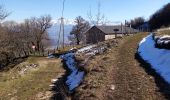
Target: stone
112	87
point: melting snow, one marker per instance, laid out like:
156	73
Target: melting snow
165	37
91	50
75	78
86	49
163	40
158	58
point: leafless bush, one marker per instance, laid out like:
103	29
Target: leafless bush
17	39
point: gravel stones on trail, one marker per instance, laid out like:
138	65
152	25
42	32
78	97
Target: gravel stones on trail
26	68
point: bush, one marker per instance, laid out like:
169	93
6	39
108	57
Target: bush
6	58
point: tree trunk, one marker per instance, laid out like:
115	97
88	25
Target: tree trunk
78	41
38	47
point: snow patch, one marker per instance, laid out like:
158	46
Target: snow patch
86	49
91	50
76	76
165	37
158	58
162	41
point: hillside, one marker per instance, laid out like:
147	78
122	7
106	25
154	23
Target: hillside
119	74
30	79
113	71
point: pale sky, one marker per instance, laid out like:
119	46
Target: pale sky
114	10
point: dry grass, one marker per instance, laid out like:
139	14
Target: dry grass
34	84
120	68
166	32
132	81
97	80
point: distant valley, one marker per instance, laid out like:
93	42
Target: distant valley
53	32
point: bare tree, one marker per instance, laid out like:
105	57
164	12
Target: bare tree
38	29
78	30
21	37
7	44
99	18
3	13
16	39
136	22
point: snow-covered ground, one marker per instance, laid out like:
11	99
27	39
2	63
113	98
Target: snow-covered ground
86	49
76	76
91	50
163	41
158	58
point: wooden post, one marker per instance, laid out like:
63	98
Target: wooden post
122	29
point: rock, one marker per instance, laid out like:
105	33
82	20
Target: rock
54	80
52	85
14	98
112	87
44	96
13	77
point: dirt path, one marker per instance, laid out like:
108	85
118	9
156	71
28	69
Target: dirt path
131	80
118	75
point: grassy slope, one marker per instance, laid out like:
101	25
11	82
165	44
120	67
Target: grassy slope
119	67
98	79
34	84
132	80
166	32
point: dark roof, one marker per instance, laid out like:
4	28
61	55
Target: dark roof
121	29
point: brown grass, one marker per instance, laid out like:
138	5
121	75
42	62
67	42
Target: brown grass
166	32
120	68
34	84
98	78
132	81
